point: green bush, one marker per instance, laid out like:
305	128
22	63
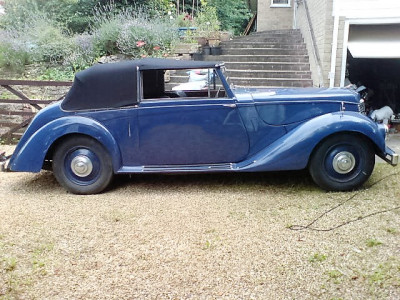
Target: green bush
13	54
132	32
233	14
207	19
83	54
49	42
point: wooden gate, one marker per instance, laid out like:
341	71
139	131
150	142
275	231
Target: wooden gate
17	103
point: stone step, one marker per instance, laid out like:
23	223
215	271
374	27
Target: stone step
179	79
258	58
271	82
277	31
269	74
252	74
264	51
261	45
276	39
269	34
270	66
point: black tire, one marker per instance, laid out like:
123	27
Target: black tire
82	165
342	162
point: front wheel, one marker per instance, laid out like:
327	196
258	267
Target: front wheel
342	163
82	165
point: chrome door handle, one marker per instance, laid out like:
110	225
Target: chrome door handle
229	105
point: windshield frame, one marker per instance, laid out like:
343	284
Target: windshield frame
223	76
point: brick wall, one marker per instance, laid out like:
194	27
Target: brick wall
272	18
322	25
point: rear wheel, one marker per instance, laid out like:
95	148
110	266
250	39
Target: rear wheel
82	165
342	162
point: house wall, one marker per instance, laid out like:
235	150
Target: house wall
320	12
363	11
272	18
367	8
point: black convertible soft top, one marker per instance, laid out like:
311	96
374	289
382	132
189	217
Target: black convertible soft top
114	85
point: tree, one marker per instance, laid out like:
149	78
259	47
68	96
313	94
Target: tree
233	14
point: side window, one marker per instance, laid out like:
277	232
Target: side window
182	84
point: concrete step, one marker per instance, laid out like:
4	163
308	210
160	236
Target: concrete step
269	34
268	66
258	58
264	51
269	74
271	82
280	40
261	45
277	31
179	79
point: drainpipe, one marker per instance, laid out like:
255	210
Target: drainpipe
295	14
334	51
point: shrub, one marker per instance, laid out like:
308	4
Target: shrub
49	42
207	19
132	32
13	52
83	53
233	14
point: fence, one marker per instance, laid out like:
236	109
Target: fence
17	109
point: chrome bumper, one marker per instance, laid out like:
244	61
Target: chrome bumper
392	159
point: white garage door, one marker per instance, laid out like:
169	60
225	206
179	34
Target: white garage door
374	41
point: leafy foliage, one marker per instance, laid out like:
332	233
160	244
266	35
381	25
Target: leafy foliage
132	32
233	14
75	33
14	55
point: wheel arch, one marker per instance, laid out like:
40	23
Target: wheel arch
344	132
60	139
41	145
293	151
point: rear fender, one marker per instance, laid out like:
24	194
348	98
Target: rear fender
31	154
293	150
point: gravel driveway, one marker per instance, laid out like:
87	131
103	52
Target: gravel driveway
199	237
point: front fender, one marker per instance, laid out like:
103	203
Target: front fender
30	156
292	151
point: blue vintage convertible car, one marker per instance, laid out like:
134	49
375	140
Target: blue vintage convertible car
128	118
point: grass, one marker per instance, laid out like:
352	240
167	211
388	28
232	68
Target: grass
392	230
317	257
20	270
373	242
335	276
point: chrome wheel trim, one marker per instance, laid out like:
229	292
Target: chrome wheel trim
344	162
81	166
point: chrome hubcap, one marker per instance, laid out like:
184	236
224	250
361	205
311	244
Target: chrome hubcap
344	162
81	166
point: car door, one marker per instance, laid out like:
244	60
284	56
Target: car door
191	131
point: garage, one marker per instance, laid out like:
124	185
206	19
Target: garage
373	60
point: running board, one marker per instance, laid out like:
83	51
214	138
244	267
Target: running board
178	168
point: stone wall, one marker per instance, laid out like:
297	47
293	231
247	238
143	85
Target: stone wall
273	18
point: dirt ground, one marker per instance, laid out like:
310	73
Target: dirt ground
200	237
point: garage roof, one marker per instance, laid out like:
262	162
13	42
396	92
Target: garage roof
374	41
